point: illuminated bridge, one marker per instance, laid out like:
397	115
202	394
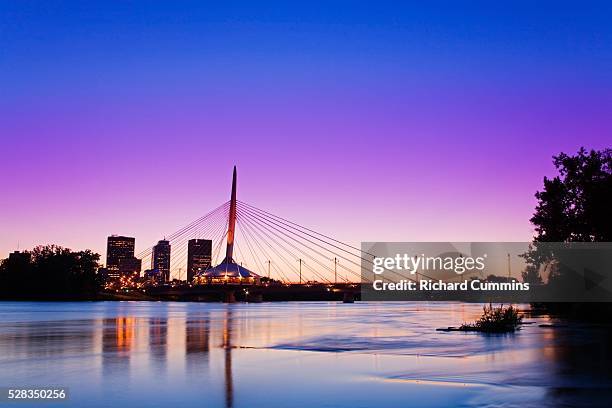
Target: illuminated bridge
252	246
250	243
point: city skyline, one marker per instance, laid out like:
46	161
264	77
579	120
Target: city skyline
379	123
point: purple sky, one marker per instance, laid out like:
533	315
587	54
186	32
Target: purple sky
368	124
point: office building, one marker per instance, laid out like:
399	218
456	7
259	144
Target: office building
120	258
199	252
19	257
160	259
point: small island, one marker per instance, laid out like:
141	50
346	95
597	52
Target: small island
493	320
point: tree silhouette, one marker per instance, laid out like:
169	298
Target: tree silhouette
573	206
50	272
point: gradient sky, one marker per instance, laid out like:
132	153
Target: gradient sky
372	121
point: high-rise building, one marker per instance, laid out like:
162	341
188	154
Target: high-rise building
20	257
199	253
120	258
160	259
19	261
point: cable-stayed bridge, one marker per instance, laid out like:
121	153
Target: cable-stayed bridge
270	246
252	247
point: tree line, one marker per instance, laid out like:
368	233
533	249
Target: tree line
50	272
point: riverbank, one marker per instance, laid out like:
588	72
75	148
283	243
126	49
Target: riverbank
221	293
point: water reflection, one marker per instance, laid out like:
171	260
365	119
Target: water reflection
121	334
197	337
165	354
117	339
227	346
158	338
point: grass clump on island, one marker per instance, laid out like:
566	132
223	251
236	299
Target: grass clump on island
495	320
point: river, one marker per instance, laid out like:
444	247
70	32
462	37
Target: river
172	354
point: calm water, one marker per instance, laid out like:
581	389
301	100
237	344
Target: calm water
296	355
